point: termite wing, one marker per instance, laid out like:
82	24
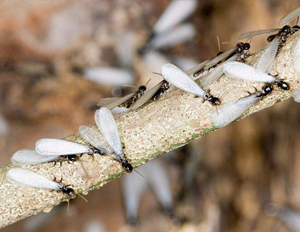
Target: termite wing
229	112
28	178
58	147
239	52
30	157
126	101
243	71
282	33
108	128
181	80
289	17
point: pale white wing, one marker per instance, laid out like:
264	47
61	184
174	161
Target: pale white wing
147	96
251	34
30	157
117	102
59	147
107	101
181	80
265	62
27	178
289	17
176	12
177	35
243	71
107	125
297	65
229	112
93	137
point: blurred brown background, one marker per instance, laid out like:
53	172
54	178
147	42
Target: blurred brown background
247	175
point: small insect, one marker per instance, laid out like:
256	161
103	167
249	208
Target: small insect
27	178
126	101
153	94
246	72
289	17
282	33
107	126
181	80
229	112
58	147
182	10
30	157
239	53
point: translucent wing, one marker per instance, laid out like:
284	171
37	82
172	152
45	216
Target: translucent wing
178	78
296	52
246	72
265	62
93	137
296	95
60	147
196	68
229	112
115	103
251	34
31	157
212	62
182	10
289	17
27	178
107	125
147	96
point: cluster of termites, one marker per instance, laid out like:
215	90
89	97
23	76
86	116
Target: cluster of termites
231	63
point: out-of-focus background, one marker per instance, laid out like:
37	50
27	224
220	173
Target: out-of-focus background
244	177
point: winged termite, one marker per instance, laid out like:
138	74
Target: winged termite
126	101
240	52
153	94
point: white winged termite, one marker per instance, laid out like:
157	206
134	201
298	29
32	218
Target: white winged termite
30	157
28	178
181	80
229	112
108	128
243	71
126	101
58	147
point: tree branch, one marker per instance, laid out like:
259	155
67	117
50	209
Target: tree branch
154	129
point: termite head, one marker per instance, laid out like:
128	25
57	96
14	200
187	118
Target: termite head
67	190
127	166
142	88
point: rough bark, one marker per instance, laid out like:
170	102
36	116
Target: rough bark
154	129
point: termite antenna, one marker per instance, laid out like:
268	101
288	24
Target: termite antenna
139	173
157	73
82	197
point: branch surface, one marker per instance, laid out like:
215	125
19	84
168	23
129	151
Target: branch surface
154	129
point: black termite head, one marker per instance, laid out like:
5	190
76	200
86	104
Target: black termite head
93	150
71	158
286	29
67	190
126	165
142	88
283	85
240	47
295	29
246	46
213	100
